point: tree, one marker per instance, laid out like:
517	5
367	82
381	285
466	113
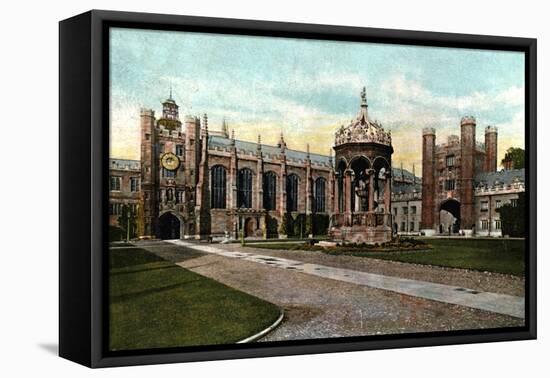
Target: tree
514	158
286	228
512	218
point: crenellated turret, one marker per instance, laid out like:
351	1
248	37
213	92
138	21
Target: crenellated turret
491	137
149	171
428	221
467	170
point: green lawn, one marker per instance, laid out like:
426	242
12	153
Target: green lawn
155	303
492	255
499	256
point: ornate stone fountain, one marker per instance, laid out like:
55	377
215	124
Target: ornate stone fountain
363	175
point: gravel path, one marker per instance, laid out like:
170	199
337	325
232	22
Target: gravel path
317	307
481	281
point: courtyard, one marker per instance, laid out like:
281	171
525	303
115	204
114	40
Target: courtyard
322	295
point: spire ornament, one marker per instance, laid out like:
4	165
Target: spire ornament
232	143
282	143
205	121
362	129
225	131
364	97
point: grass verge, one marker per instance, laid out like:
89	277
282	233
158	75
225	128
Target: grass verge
157	304
499	255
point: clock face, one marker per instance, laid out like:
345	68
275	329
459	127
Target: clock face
170	161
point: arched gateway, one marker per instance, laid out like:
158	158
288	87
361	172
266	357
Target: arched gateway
169	226
449	216
363	202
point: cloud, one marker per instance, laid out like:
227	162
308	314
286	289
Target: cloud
268	108
124	129
406	106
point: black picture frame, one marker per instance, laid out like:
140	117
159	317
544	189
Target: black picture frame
83	196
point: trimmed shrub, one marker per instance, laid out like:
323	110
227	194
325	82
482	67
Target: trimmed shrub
287	225
300	226
320	223
116	233
272	226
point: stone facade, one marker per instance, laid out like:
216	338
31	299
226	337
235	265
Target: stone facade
177	203
406	202
125	187
492	191
448	172
222	185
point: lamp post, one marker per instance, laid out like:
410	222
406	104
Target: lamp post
241	219
128	215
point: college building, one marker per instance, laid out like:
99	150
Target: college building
461	187
195	182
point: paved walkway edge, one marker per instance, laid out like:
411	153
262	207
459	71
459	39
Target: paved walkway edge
265	331
493	302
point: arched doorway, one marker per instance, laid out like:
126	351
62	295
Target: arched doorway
449	216
169	226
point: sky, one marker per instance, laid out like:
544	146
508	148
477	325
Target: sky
306	89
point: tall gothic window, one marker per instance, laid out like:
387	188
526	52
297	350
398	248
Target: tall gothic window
244	187
319	195
292	193
219	177
270	190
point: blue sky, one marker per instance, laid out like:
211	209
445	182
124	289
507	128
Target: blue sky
308	88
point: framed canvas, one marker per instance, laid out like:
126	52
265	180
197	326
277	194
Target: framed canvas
235	188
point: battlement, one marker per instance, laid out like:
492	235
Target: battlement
125	165
517	186
468	120
428	131
191	119
491	129
147	112
453	139
162	131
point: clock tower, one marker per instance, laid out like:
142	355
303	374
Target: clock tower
167	196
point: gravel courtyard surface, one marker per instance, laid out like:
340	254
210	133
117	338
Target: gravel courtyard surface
481	281
317	307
